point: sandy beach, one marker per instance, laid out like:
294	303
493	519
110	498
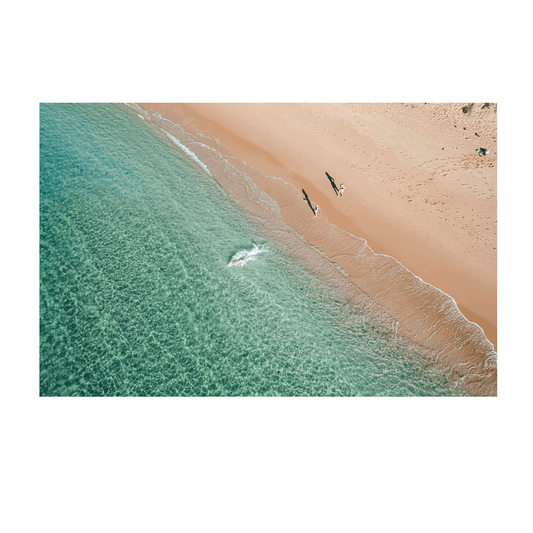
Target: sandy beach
416	191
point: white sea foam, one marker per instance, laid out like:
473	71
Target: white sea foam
243	256
138	109
187	151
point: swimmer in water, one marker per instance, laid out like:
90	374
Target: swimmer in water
240	260
247	255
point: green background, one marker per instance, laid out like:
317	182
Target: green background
258	474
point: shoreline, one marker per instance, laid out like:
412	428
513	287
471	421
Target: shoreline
421	320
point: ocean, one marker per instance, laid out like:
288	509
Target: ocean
155	281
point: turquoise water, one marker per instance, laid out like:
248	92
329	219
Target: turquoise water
137	298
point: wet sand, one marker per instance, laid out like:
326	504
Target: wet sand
416	190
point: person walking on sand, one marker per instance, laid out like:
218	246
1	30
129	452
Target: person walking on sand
342	189
316	209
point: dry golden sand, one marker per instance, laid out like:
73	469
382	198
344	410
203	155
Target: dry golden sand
416	190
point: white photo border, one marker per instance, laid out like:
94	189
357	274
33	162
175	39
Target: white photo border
30	96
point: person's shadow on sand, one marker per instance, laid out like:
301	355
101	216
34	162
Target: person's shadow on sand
308	201
332	181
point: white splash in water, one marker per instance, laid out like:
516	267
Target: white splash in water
243	256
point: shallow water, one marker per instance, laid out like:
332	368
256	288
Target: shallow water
137	299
